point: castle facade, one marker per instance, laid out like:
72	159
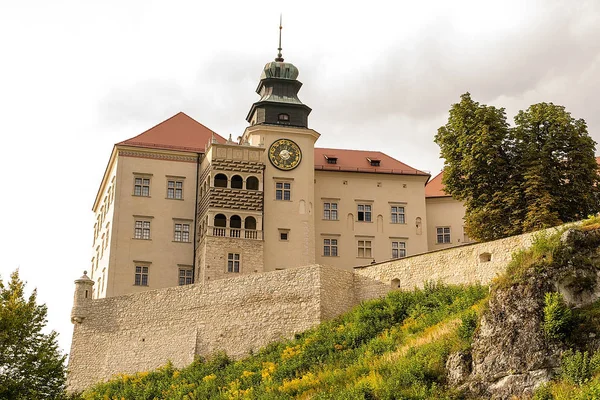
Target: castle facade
180	204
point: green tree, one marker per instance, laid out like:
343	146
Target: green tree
558	166
474	144
31	367
538	174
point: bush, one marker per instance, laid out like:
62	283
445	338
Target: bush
543	393
557	316
578	367
468	325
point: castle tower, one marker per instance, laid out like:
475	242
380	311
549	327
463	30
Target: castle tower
279	122
82	298
230	211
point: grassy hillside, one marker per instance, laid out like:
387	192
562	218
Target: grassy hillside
383	349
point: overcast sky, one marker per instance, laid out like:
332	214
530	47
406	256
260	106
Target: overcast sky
78	76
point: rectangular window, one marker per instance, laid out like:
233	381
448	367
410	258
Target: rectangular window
141	187
443	235
142	230
330	211
283	191
175	190
182	233
330	247
466	238
233	262
141	275
398	249
398	215
283	236
185	276
364	249
364	212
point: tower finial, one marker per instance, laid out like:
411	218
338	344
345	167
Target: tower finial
279	55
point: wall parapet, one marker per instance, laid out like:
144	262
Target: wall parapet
469	263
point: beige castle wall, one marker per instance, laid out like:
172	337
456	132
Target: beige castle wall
104	213
382	191
457	265
141	331
445	212
161	253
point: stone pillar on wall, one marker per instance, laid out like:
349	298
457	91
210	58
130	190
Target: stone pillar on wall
82	298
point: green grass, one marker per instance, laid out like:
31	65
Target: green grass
391	348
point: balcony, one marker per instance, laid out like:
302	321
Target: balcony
234	233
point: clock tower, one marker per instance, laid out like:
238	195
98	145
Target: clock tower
279	122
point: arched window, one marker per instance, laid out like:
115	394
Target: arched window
285	118
221	180
235	222
252	183
250	223
220	220
236	182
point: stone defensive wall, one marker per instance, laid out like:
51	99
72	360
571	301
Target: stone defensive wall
142	331
470	263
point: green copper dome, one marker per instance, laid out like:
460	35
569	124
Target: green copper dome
280	70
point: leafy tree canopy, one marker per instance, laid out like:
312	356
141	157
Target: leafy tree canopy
31	367
540	173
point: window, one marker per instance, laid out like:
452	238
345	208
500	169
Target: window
283	191
398	215
174	190
220	180
252	183
331	160
182	232
330	247
330	211
374	162
237	182
283	117
398	249
233	262
364	212
364	248
284	235
185	276
443	234
142	230
141	275
141	187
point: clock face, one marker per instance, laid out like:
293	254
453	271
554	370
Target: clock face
285	154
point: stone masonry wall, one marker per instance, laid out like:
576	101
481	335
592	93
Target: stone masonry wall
143	331
472	263
212	257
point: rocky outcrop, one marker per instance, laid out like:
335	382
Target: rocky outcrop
511	355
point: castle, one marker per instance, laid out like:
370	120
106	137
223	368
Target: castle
203	243
179	204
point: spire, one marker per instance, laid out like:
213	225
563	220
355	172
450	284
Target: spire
279	55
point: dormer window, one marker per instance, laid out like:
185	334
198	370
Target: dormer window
283	118
331	159
374	162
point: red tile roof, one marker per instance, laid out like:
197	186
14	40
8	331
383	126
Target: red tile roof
359	161
435	187
180	132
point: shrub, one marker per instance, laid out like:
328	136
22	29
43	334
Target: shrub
578	367
468	325
557	316
543	393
